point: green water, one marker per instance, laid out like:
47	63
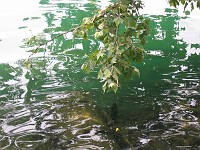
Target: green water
58	106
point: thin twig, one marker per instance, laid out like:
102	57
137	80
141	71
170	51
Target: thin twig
45	43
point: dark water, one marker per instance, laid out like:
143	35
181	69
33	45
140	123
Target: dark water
57	106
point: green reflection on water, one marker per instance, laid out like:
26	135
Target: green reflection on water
159	110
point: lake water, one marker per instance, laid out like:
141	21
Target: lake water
58	106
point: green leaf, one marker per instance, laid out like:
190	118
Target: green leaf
124	7
87	67
84	67
117	70
104	87
147	21
140	55
128	74
113	86
79	33
185	5
98	34
85	36
107	73
198	4
99	54
132	23
115	76
136	71
182	2
142	41
101	26
187	12
113	60
118	21
125	2
27	64
192	6
87	20
93	55
100	74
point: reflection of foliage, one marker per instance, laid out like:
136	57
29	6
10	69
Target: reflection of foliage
9	76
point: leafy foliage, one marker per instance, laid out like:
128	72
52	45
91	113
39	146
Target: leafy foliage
122	31
187	3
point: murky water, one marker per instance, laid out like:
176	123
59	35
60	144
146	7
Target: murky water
58	106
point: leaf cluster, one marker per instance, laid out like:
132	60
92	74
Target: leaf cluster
187	3
35	40
122	30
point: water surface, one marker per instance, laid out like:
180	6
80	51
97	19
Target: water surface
58	106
